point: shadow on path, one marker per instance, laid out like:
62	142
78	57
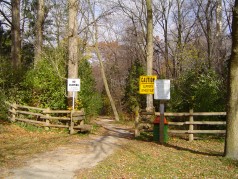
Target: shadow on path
64	161
211	153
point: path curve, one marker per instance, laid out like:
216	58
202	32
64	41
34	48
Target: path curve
63	162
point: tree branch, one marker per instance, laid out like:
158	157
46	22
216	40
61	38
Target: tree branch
6	18
8	3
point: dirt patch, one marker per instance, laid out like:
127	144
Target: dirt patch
64	161
17	143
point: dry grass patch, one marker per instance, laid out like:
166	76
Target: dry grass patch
17	144
178	159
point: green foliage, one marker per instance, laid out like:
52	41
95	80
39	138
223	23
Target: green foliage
89	98
106	108
45	85
27	55
30	127
5	42
132	97
10	80
3	107
200	90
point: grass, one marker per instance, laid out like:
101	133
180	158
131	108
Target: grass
178	159
138	158
20	143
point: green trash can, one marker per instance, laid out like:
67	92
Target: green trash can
156	130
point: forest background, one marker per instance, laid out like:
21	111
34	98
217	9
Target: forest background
192	44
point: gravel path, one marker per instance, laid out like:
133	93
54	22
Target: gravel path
63	162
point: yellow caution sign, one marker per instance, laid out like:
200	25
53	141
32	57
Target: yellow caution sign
147	84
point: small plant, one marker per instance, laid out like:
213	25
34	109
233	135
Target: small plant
29	127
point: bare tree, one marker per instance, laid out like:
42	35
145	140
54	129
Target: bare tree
136	13
228	5
162	19
58	16
99	57
205	15
181	35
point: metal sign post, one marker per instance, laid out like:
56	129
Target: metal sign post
161	128
162	92
73	100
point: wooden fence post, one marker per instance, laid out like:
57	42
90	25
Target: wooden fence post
13	112
191	136
137	121
82	121
47	121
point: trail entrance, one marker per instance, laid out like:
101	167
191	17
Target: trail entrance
64	161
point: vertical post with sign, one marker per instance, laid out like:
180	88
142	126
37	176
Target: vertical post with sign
73	85
146	86
162	93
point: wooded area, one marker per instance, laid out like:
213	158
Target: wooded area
109	44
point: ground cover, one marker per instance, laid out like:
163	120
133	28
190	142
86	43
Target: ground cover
178	159
135	158
17	144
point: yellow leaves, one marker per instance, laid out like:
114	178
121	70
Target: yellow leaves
78	104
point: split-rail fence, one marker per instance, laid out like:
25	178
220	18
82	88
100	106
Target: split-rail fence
185	119
70	119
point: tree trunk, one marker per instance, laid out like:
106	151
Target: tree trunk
16	34
39	30
149	50
178	65
219	35
72	44
209	33
231	148
104	78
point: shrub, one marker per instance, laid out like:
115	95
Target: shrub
202	91
132	98
90	99
45	85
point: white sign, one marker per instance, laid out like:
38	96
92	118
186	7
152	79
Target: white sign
162	89
73	84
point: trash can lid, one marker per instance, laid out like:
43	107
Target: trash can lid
157	120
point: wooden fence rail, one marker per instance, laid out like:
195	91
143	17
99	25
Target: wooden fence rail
71	119
139	123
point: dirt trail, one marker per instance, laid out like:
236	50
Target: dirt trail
63	162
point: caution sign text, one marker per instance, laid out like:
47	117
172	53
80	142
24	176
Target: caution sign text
147	84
